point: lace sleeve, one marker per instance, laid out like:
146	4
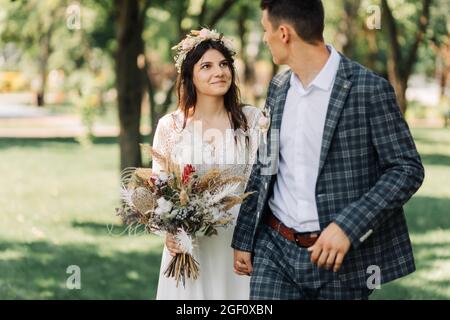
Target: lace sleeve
162	142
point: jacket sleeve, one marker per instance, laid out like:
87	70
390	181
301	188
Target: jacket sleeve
402	170
246	221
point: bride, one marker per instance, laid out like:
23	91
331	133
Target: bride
210	128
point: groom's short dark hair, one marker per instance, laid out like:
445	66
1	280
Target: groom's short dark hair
306	16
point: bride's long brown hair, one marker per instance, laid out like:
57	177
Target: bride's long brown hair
187	94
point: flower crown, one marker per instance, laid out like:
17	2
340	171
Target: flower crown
194	38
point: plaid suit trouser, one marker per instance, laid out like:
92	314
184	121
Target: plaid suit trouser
283	271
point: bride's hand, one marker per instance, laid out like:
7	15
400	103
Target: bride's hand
172	245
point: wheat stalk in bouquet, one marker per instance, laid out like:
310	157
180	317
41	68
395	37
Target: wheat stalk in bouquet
179	202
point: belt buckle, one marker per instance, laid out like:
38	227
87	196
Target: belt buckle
314	234
297	241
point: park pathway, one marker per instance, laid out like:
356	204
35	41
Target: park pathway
18	118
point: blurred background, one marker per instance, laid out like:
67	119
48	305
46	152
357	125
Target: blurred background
83	83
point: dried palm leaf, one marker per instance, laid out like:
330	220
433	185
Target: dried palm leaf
207	179
144	173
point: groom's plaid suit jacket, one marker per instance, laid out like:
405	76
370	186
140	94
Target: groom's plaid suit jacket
369	168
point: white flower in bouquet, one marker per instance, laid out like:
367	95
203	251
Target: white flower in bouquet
170	215
207	198
163	177
164	206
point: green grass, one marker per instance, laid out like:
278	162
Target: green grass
57	199
428	219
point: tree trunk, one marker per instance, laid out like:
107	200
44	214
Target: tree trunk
442	52
399	84
201	16
156	111
248	61
443	80
129	80
400	66
372	47
350	27
45	52
443	55
226	6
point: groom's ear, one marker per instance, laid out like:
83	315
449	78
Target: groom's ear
285	33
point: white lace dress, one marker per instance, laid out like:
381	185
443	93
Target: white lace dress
216	281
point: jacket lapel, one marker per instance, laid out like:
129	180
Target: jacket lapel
338	97
276	104
279	100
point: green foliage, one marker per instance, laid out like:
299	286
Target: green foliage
24	23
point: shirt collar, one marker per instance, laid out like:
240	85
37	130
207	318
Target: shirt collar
326	76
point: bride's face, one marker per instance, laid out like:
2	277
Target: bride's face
212	74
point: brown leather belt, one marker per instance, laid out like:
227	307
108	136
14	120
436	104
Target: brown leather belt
304	240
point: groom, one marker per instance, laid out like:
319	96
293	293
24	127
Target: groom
326	221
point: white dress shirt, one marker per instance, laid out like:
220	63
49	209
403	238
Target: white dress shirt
293	200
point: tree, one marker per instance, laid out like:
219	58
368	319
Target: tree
31	25
130	22
440	46
401	58
350	25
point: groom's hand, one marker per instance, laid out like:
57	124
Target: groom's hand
243	263
330	249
